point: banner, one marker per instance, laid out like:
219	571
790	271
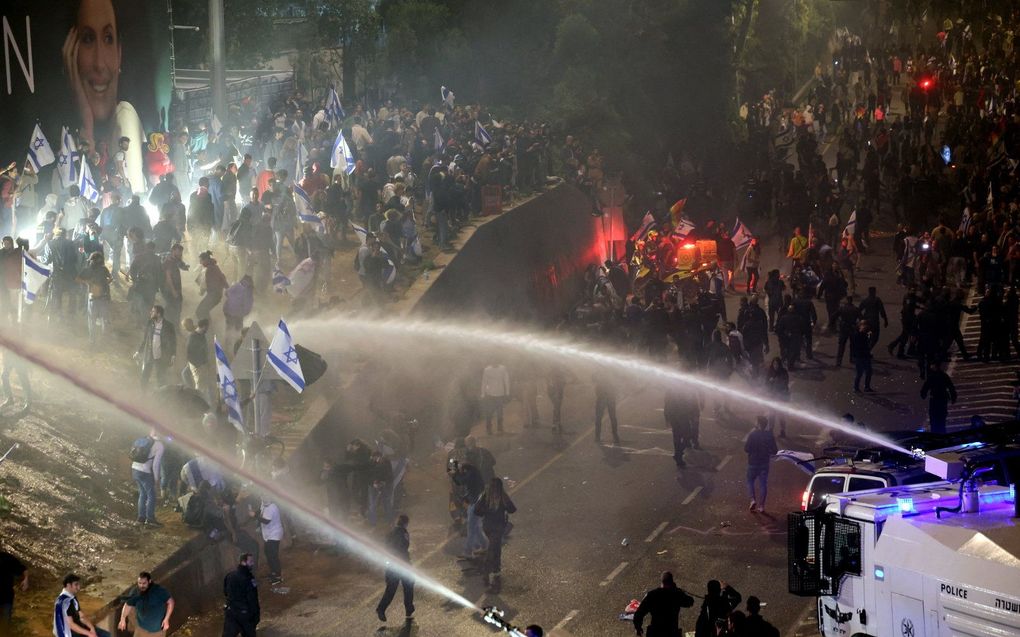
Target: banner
101	68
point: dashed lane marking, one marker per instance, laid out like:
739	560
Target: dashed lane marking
563	622
659	529
722	463
616	571
690	498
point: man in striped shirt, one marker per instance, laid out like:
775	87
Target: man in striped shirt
68	619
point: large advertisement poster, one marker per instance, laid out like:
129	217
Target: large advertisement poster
100	68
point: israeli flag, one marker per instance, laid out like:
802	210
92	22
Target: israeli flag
741	235
280	281
228	388
361	232
33	275
481	135
851	225
684	228
39	152
341	156
334	111
438	140
390	271
300	161
284	359
216	125
965	221
447	96
86	184
303	202
65	159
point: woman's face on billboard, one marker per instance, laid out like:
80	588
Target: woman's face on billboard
98	56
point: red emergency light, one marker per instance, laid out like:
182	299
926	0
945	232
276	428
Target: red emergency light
926	83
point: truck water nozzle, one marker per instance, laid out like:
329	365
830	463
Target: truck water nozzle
917	453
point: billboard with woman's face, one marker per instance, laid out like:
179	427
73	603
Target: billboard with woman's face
98	67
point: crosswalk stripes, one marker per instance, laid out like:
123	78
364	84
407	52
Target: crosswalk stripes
985	389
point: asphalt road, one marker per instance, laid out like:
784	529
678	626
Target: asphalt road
596	524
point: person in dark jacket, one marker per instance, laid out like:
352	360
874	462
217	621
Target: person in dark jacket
682	412
804	305
158	347
790	329
754	325
846	323
719	602
941	390
860	352
494	507
241	612
872	309
663	604
908	327
760	447
833	289
756	625
774	288
398	541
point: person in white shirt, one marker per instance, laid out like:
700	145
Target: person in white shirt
272	534
147	462
360	136
495	393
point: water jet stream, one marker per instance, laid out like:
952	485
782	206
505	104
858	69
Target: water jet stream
325	333
363	547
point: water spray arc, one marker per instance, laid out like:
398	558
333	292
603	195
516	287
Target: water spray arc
328	332
362	546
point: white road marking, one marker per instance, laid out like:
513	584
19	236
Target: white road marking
691	497
563	622
723	463
612	576
655	533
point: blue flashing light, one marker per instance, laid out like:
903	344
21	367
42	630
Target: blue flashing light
1012	493
906	505
880	573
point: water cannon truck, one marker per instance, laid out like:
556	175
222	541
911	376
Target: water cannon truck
940	559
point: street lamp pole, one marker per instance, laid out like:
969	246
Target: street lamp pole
217	59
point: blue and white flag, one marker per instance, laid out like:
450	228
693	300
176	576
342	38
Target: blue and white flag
216	125
334	111
481	135
39	151
86	184
684	227
300	161
341	156
65	159
280	281
851	225
447	96
647	223
965	221
303	203
228	388
361	232
284	358
33	275
741	235
438	140
390	271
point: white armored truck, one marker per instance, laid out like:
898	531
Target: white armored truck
929	560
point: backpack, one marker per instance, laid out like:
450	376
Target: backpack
140	449
194	511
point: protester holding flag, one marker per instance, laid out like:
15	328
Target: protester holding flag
750	263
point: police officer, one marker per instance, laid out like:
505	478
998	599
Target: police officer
398	541
241	611
663	604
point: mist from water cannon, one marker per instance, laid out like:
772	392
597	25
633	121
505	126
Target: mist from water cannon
364	547
379	333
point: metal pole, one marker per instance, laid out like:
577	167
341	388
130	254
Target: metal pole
217	60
